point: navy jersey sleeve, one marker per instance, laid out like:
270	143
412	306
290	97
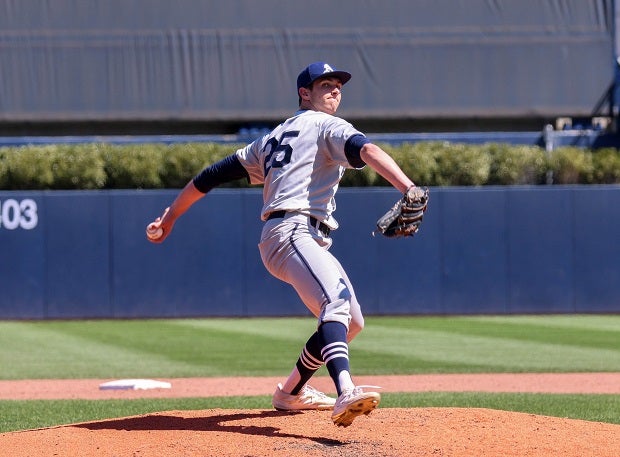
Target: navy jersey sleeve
227	169
352	149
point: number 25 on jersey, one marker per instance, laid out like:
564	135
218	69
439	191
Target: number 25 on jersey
280	152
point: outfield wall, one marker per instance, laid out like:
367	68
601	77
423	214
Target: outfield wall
499	250
237	61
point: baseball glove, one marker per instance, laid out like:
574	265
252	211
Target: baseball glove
405	217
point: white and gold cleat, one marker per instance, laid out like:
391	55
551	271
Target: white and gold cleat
307	398
352	403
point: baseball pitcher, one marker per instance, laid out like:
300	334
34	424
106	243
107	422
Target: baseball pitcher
300	164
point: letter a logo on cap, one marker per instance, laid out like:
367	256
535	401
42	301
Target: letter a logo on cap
316	70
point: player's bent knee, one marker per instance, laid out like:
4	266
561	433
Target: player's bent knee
355	327
338	311
342	311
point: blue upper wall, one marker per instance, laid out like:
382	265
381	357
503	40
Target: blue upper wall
481	250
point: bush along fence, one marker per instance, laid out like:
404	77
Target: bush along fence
161	166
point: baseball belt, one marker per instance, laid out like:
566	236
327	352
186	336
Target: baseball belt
320	226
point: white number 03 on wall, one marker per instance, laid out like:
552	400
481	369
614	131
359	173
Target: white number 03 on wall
18	214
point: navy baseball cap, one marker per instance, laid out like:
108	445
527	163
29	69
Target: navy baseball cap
318	70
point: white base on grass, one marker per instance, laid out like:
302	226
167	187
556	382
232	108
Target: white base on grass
134	384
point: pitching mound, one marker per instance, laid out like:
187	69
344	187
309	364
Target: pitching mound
385	433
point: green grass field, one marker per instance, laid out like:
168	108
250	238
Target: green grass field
268	347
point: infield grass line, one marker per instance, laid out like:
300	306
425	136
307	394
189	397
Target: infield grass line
173	348
269	346
31	414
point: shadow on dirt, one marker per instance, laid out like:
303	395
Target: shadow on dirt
215	423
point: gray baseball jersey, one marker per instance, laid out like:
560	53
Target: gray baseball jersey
301	163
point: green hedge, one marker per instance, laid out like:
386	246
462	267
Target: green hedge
153	166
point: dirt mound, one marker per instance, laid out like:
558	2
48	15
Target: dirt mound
385	433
